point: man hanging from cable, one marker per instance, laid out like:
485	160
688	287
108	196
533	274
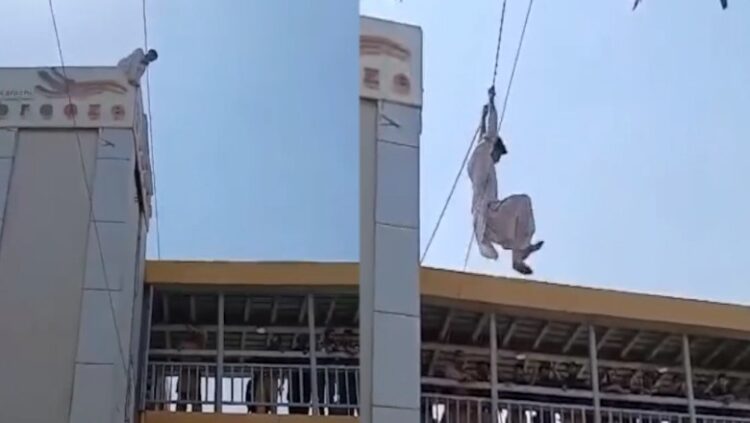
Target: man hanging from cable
509	222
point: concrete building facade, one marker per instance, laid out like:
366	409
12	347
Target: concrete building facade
74	206
390	127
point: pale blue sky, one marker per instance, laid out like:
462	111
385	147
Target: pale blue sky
629	130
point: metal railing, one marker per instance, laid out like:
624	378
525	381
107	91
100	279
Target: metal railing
458	409
180	386
263	388
253	388
455	409
289	389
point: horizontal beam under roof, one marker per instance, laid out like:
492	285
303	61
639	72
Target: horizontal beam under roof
478	291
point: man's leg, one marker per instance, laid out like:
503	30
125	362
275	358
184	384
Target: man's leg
195	396
322	379
512	226
182	398
341	389
250	394
299	391
352	391
487	250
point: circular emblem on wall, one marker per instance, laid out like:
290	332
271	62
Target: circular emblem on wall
70	110
46	111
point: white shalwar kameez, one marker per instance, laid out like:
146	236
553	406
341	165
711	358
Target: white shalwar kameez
134	66
509	222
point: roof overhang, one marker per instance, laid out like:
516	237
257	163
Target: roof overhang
478	291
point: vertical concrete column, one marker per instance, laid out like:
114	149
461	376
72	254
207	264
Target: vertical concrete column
312	345
104	366
493	368
689	390
71	248
389	262
42	255
594	373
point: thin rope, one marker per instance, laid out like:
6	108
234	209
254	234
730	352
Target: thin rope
468	250
471	144
151	137
450	195
515	62
499	43
505	104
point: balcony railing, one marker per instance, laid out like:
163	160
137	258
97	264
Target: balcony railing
180	386
285	389
254	388
458	409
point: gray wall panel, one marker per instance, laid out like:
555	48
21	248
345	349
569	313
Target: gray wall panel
42	256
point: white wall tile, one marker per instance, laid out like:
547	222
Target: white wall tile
400	124
97	342
396	357
118	244
397	201
119	389
93	394
124	311
114	190
116	144
395	415
397	270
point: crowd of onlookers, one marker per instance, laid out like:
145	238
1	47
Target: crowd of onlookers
565	376
337	387
265	389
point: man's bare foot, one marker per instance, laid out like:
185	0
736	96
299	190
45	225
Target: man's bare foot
488	251
533	248
522	268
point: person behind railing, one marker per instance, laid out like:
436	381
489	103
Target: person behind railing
261	393
670	385
340	381
570	379
457	371
641	383
156	388
300	385
547	375
300	391
482	373
611	382
428	402
189	380
262	390
349	379
718	390
521	374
